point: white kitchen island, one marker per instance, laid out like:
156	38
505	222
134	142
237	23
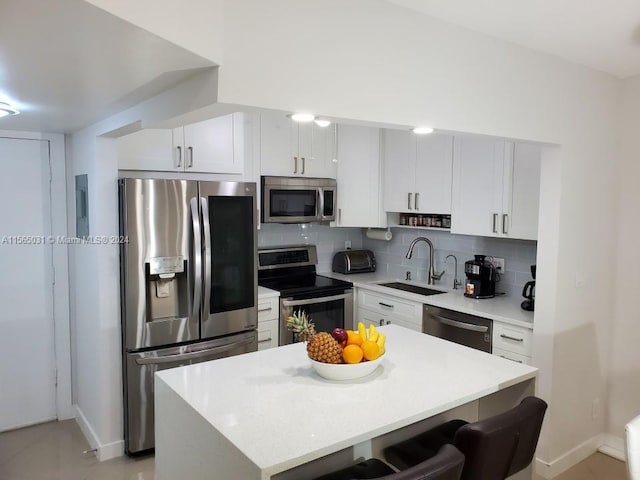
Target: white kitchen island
267	414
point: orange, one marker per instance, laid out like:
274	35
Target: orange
353	338
352	354
371	350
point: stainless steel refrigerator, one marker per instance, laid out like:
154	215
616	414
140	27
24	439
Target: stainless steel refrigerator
188	283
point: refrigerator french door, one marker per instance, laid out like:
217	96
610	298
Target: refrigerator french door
187	277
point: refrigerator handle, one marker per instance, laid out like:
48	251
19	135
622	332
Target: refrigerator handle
206	227
197	254
180	357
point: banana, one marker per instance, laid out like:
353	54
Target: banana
381	341
373	333
362	331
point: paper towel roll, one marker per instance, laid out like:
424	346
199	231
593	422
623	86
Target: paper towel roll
380	234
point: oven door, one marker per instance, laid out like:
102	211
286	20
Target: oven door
327	313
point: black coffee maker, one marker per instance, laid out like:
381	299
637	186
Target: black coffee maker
529	292
481	278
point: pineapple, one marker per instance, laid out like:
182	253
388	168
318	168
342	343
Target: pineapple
321	347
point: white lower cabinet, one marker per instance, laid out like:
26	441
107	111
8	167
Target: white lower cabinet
380	309
268	321
512	342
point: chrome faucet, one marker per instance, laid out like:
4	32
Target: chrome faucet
456	283
431	275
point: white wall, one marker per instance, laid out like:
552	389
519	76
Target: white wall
624	377
369	60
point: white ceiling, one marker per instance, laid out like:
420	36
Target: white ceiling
65	64
601	34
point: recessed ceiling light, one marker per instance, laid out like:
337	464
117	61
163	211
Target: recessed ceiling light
322	123
303	117
6	109
422	130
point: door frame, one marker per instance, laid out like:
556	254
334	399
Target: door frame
62	340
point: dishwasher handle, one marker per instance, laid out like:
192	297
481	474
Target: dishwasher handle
462	325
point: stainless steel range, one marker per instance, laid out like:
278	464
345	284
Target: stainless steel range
292	271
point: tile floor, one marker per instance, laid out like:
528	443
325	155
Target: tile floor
53	451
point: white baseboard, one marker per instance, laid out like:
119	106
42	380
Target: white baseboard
613	446
568	459
103	452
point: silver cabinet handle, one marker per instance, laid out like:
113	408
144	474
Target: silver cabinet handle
295	164
409	200
507	337
179	155
495	223
303	165
462	325
385	305
416	203
505	220
381	321
265	309
339	215
512	359
190	165
388	322
265	340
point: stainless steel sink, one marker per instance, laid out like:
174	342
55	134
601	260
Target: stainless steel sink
411	288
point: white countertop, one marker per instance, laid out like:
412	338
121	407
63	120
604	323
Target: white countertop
264	292
279	413
503	308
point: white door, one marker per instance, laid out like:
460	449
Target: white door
209	146
434	159
277	137
399	171
150	149
522	203
27	356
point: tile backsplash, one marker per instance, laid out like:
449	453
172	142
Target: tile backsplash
327	240
519	255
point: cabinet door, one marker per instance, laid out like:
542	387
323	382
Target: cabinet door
434	165
321	163
210	147
369	317
359	177
399	150
522	196
278	135
477	190
150	149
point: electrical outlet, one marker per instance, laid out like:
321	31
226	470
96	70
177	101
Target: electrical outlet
347	244
595	408
498	262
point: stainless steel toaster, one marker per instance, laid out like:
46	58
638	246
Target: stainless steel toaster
354	261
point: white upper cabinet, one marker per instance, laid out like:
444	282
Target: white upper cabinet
359	177
210	146
417	172
294	149
496	188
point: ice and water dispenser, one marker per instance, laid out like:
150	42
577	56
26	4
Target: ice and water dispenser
167	288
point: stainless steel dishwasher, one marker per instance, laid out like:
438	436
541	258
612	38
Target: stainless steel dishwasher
468	330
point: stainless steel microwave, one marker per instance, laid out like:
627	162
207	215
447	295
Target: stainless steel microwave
298	199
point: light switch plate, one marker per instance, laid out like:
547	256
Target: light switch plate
498	262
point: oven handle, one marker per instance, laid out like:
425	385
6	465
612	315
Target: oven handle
310	301
463	325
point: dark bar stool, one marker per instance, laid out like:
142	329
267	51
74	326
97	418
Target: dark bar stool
444	465
494	448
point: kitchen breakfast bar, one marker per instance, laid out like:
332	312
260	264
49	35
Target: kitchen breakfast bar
268	415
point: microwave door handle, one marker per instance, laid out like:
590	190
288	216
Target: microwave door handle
311	301
320	203
206	227
197	254
190	355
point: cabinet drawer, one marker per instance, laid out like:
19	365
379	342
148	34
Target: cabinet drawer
516	357
378	319
512	339
267	334
389	305
268	308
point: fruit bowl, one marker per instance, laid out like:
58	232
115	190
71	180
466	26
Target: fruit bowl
345	371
